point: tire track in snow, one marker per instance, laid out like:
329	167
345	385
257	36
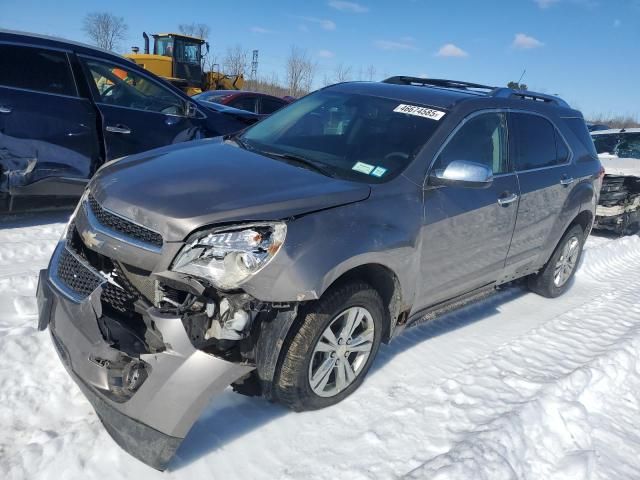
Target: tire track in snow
527	400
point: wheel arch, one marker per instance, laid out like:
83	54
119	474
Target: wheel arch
382	279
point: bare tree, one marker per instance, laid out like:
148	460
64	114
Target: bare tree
105	29
236	61
371	73
200	30
342	73
300	72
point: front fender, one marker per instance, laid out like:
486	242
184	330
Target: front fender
322	246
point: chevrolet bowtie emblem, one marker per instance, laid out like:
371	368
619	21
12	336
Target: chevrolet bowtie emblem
90	240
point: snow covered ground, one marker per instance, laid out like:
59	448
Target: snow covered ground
517	386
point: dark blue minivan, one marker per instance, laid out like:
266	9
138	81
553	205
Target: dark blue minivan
67	108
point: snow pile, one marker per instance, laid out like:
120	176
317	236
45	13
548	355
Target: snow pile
516	386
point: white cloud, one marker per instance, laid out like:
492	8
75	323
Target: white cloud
451	50
323	22
326	54
260	30
524	42
352	7
545	3
391	45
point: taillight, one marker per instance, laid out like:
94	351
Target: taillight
601	173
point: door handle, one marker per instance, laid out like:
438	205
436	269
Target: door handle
5	109
118	129
508	199
566	181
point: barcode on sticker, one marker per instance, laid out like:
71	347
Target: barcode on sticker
419	111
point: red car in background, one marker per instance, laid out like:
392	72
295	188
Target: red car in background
255	102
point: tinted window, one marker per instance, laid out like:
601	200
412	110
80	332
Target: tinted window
482	139
352	136
579	128
117	85
562	150
35	69
244	103
535	142
270	105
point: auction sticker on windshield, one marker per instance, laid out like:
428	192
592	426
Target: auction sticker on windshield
419	111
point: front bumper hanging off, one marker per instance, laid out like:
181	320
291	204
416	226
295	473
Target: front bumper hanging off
147	402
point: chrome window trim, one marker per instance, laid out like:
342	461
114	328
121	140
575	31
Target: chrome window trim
109	232
71	295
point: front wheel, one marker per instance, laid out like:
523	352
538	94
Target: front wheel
553	280
332	349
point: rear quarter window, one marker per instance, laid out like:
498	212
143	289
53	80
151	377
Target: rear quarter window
579	128
36	69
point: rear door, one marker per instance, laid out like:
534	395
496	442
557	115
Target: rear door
467	231
138	112
542	161
48	137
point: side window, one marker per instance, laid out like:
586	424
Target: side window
535	142
578	127
119	86
482	139
270	105
36	69
244	103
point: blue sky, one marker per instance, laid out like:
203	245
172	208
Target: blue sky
588	51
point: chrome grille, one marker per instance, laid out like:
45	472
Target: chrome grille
121	225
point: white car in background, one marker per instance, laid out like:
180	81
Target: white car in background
619	206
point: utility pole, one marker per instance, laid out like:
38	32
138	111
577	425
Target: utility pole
254	66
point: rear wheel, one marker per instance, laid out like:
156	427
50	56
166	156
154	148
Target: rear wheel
553	280
332	350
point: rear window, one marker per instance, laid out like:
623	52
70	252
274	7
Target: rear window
623	145
270	105
36	69
579	128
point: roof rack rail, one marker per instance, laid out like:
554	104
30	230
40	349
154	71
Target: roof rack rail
437	82
497	92
528	95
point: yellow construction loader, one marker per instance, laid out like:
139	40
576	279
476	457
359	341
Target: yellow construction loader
178	59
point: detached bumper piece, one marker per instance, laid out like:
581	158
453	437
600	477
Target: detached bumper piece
619	206
148	388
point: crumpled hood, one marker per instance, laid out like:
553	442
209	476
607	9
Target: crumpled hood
620	166
177	189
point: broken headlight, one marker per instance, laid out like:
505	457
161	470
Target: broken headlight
229	257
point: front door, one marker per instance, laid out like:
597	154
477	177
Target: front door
467	231
138	113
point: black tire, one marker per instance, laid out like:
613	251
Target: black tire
292	385
543	282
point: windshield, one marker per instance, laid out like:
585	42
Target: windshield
351	136
623	145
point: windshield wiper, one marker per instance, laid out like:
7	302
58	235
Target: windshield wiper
300	161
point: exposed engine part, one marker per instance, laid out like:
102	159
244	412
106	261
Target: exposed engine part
619	206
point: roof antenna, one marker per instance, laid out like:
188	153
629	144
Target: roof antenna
521	77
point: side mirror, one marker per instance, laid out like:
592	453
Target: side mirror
461	173
191	110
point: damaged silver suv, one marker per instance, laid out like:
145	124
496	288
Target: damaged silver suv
278	260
